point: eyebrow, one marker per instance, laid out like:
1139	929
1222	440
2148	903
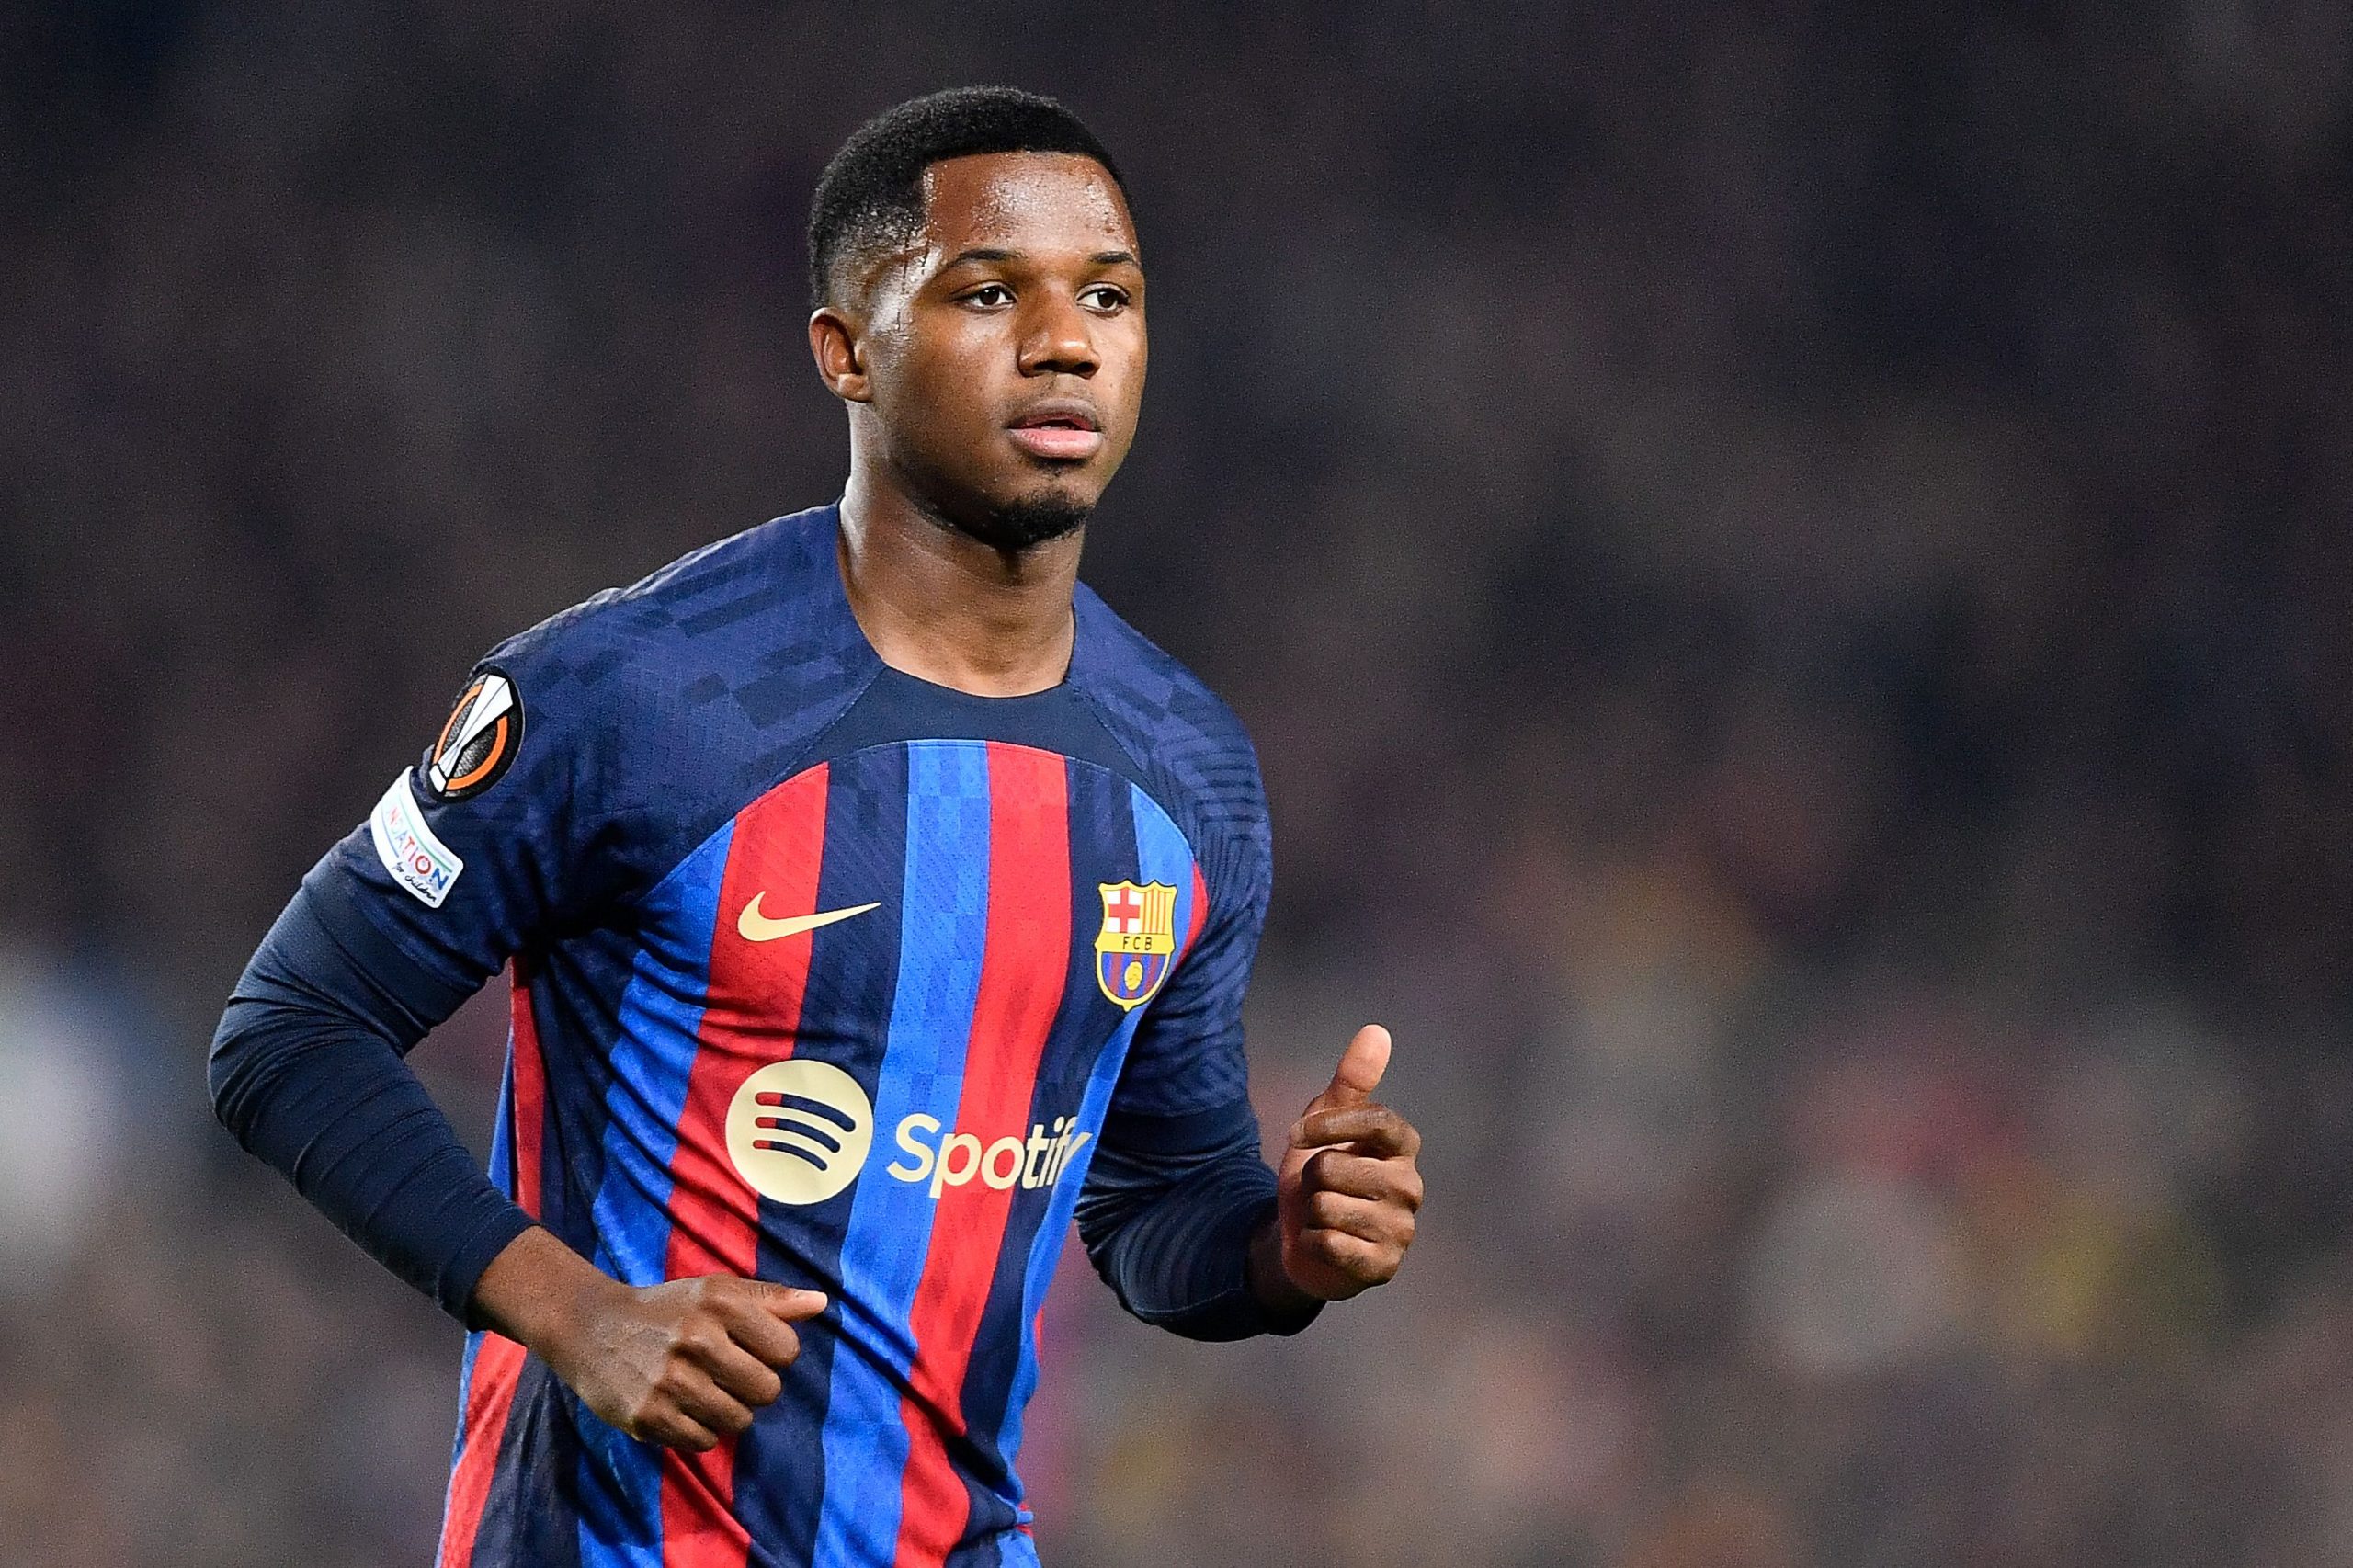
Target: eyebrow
985	253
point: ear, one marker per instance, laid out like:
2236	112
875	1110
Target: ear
841	359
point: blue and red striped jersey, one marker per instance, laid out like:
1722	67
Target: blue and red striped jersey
826	975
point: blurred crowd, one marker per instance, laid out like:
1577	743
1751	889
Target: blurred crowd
1787	565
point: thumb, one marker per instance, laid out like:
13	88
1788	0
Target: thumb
792	1304
1360	1068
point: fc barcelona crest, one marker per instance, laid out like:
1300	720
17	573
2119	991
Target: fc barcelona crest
1138	941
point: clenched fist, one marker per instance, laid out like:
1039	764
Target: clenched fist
681	1364
1348	1187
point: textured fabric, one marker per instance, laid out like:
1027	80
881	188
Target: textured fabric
832	976
306	1070
1167	1213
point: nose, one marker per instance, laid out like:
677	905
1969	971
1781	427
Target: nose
1059	340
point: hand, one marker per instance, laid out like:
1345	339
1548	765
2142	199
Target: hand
682	1364
1347	1189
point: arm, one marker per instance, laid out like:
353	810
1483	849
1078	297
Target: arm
1178	1214
308	1071
1168	1215
390	933
1195	1235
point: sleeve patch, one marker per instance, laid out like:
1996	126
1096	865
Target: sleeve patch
417	860
484	731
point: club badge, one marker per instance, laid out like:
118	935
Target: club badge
1138	941
476	747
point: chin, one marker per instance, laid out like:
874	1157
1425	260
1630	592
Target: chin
1034	509
1024	522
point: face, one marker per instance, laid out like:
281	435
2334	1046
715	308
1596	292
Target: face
995	364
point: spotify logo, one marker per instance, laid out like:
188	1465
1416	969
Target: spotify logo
798	1130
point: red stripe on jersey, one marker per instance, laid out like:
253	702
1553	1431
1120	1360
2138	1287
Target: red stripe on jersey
1024	970
490	1395
530	1098
1201	916
753	1014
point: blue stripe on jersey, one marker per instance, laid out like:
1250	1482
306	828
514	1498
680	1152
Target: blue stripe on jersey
781	1473
652	1055
525	1516
620	1479
944	899
502	1130
1162	855
465	1389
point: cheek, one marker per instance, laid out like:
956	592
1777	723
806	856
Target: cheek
930	390
1128	369
1124	350
953	369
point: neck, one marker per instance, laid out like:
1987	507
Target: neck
939	605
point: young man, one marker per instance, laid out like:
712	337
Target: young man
877	900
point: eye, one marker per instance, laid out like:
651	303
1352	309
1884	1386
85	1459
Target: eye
990	296
1104	297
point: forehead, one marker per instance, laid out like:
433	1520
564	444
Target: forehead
1023	201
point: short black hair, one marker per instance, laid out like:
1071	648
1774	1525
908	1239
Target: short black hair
872	191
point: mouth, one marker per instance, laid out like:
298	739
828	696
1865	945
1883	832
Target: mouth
1059	430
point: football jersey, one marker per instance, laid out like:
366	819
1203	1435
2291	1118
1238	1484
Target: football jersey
822	974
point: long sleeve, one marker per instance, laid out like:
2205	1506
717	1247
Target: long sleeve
308	1071
1166	1215
495	839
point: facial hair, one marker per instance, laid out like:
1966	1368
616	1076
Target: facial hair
1027	523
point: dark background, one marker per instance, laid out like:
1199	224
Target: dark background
1788	564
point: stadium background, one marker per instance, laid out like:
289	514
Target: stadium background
1788	564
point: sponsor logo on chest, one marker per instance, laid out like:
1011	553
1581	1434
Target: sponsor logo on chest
800	1130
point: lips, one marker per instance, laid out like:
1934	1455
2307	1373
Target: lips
1058	430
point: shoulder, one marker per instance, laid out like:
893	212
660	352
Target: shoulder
702	615
1193	748
667	700
1153	700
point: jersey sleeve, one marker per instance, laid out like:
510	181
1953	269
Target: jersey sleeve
498	837
1186	1058
504	833
1177	1189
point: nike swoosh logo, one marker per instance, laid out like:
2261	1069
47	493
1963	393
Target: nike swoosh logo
754	926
